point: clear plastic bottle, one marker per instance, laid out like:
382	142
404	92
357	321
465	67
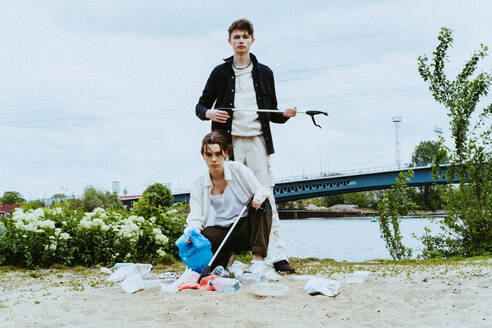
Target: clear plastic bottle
220	271
226	285
249	278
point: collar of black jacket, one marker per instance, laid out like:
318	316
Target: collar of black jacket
253	59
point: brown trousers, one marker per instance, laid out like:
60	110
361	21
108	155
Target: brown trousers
250	234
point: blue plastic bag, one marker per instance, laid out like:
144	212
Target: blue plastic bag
197	254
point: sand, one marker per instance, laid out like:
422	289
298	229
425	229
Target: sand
395	296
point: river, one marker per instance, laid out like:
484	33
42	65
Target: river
347	239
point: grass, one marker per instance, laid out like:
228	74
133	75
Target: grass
310	266
389	268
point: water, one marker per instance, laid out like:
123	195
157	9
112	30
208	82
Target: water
347	239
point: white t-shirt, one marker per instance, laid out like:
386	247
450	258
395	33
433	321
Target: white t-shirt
245	124
227	207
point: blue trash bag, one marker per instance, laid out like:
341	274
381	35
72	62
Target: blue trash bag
197	254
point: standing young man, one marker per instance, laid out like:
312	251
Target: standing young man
242	83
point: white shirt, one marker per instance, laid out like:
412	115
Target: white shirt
227	207
247	123
243	184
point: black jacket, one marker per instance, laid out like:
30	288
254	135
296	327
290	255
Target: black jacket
220	89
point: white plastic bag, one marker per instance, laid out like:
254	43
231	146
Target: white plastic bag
132	284
266	289
123	270
316	286
189	276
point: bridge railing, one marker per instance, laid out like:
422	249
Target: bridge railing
374	169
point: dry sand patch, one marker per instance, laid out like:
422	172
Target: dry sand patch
403	296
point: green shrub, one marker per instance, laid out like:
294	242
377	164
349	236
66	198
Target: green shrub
43	237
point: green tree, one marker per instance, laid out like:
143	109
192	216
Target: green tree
32	205
156	198
427	197
394	205
425	153
93	198
468	223
159	195
11	197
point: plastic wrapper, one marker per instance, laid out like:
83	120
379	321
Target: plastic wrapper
321	286
124	270
237	269
189	277
132	284
266	289
226	285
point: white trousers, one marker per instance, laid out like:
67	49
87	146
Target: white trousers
251	151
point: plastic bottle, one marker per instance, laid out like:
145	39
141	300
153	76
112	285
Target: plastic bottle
226	285
249	278
220	271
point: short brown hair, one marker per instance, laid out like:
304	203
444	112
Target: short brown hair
241	24
215	137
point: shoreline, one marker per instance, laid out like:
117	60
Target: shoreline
292	214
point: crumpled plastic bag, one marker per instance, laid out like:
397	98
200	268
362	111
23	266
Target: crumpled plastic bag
189	276
266	289
203	285
322	286
197	254
357	277
237	269
260	271
125	270
130	275
132	284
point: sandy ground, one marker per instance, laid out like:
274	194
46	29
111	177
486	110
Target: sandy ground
395	296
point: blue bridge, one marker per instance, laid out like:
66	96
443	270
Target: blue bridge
296	188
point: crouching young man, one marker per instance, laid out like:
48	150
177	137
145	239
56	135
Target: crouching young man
218	197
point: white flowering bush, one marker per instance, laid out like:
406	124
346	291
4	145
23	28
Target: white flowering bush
43	237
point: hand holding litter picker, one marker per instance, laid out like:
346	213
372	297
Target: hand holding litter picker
307	112
208	268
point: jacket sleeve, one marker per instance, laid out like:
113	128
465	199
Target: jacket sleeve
209	95
248	177
275	117
195	220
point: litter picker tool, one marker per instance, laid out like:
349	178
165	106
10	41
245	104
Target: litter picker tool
208	268
307	112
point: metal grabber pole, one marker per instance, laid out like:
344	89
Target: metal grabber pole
307	112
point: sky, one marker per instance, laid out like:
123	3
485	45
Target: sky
93	92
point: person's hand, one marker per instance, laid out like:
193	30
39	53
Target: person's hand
256	204
216	115
289	112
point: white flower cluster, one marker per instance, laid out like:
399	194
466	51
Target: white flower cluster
61	235
130	228
160	238
32	220
95	219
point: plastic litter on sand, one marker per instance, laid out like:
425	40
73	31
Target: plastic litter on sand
227	285
267	289
322	286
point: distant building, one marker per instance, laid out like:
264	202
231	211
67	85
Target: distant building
129	200
6	208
